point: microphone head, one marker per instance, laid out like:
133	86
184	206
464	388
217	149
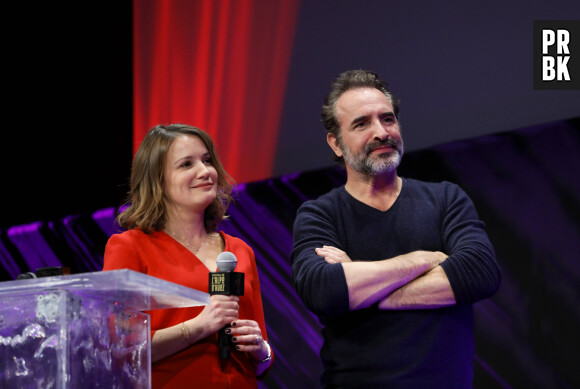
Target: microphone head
226	262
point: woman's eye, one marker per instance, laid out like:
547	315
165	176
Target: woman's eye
208	161
185	164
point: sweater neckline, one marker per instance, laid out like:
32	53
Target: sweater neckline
371	209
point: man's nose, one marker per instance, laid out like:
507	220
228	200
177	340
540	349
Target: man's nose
380	131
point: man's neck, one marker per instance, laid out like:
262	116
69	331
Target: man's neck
379	192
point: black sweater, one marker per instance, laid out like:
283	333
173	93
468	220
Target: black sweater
398	349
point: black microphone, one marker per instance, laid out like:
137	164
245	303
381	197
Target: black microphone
227	282
45	272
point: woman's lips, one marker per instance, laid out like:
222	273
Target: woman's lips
204	185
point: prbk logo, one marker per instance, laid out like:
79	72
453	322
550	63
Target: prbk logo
557	54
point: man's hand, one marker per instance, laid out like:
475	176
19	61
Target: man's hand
332	254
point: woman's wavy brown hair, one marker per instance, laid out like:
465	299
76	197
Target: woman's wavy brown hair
145	207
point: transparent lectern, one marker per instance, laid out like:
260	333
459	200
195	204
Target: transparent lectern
84	330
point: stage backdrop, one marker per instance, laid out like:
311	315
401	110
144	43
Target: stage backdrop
525	186
254	73
218	65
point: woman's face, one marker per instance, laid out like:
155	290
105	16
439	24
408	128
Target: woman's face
190	177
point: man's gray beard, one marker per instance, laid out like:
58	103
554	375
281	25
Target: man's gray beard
363	163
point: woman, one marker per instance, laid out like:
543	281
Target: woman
179	194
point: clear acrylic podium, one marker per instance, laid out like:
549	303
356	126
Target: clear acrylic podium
84	330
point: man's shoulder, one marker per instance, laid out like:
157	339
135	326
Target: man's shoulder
443	192
330	198
429	186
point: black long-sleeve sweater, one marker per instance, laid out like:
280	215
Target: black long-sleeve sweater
398	349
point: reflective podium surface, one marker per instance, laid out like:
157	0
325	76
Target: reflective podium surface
83	330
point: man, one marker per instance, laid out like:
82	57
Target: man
390	265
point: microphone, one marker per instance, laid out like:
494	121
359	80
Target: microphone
227	282
226	261
45	272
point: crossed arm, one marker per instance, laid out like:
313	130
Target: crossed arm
464	271
410	281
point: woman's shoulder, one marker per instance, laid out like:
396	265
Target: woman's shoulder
134	235
233	243
232	239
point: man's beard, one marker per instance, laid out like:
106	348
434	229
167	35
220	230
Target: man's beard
373	166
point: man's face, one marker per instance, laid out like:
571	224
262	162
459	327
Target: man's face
371	141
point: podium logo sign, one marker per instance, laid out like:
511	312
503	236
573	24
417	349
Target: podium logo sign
557	54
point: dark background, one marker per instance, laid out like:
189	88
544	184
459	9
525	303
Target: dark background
461	70
67	138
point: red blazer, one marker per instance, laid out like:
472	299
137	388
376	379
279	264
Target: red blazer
159	255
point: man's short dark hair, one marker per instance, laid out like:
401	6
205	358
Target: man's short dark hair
351	79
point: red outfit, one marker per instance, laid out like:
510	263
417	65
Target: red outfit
159	255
